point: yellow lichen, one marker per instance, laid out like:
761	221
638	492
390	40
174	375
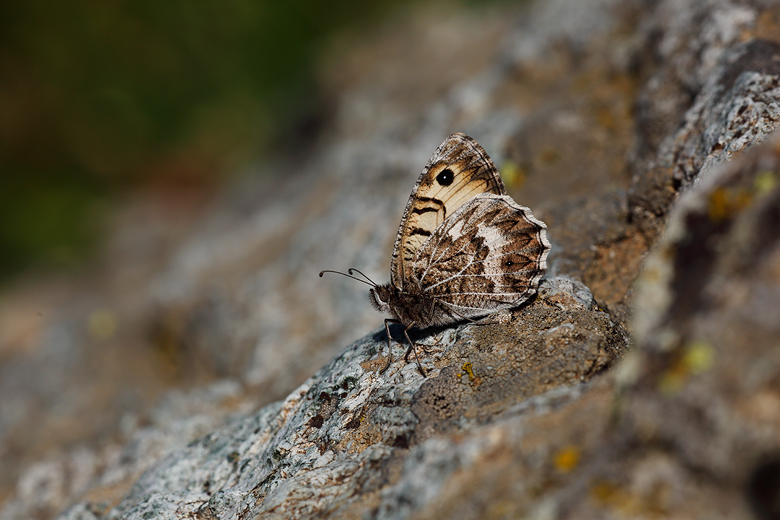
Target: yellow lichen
765	182
513	174
567	459
102	324
467	368
697	357
724	203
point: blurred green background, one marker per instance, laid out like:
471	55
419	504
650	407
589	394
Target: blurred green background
100	97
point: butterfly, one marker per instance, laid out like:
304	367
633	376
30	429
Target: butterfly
464	249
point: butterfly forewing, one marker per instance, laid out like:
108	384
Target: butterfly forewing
458	171
489	255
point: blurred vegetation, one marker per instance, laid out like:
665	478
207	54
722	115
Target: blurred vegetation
98	96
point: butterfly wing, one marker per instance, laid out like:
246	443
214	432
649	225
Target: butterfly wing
458	171
487	256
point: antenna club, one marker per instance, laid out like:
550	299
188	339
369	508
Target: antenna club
369	282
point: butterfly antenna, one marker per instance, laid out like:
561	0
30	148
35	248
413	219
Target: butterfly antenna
348	276
351	269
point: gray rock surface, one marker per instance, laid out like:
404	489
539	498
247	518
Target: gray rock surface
338	441
600	115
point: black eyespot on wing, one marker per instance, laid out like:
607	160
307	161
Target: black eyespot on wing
515	263
445	177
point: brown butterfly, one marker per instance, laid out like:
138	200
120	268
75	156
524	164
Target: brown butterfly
464	250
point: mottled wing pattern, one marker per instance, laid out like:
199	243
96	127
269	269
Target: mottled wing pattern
489	255
458	171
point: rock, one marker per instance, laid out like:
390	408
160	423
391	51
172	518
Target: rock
338	441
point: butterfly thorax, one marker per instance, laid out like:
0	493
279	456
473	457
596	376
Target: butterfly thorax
409	305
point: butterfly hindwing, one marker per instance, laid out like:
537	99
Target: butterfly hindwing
488	255
458	171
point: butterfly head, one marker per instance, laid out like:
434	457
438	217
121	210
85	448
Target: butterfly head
381	296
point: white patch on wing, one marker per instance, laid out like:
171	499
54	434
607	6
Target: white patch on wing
492	235
456	231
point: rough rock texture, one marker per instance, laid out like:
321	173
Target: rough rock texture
600	114
338	442
703	393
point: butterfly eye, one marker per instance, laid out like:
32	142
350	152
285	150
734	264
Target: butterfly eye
446	177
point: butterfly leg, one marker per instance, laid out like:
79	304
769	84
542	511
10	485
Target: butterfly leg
430	318
412	349
389	346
